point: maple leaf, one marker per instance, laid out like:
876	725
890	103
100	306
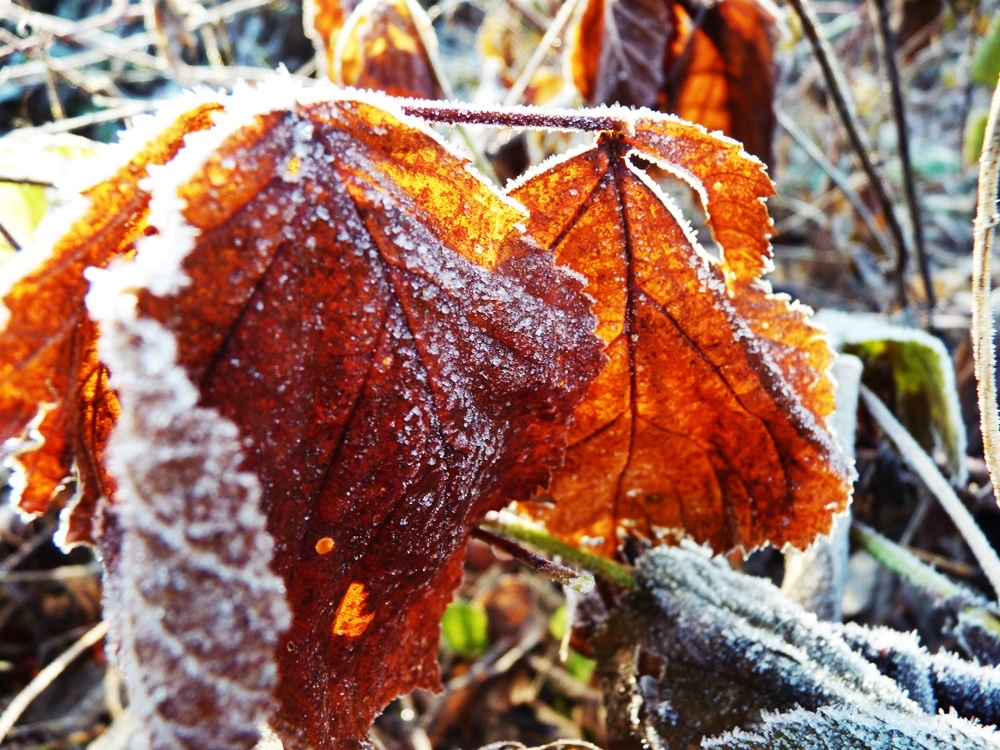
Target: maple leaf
397	358
709	419
53	390
711	63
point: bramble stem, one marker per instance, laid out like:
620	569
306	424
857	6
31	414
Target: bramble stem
513	117
512	527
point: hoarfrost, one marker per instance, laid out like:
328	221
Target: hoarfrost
195	610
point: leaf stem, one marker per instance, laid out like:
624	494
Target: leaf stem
888	46
582	582
905	564
914	455
983	349
836	90
513	527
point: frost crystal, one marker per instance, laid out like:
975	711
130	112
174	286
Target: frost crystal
196	612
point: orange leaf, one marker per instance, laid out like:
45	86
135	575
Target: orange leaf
383	45
721	70
48	361
706	422
398	359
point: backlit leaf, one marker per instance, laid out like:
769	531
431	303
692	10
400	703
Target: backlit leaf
711	63
398	359
709	419
383	45
53	390
721	70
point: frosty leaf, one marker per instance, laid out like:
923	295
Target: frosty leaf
47	344
849	729
398	359
938	682
692	617
619	51
709	419
196	612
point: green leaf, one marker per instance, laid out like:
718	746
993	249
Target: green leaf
986	64
464	628
923	379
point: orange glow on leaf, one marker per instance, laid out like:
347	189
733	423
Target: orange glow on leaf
351	620
325	546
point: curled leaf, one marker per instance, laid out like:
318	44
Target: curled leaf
397	356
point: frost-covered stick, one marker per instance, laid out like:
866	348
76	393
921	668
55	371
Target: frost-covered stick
987	217
914	455
44	678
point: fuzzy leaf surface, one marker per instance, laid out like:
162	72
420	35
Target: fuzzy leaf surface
398	358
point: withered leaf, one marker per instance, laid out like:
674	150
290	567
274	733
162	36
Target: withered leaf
398	358
619	51
721	71
54	399
383	45
322	21
709	419
711	63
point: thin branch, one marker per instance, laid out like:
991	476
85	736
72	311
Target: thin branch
45	678
836	90
513	527
839	178
888	46
582	582
983	350
920	462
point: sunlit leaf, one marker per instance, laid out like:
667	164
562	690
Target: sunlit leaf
709	420
53	391
398	359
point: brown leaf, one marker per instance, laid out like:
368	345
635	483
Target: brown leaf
699	425
398	359
48	358
721	71
709	63
388	45
619	51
